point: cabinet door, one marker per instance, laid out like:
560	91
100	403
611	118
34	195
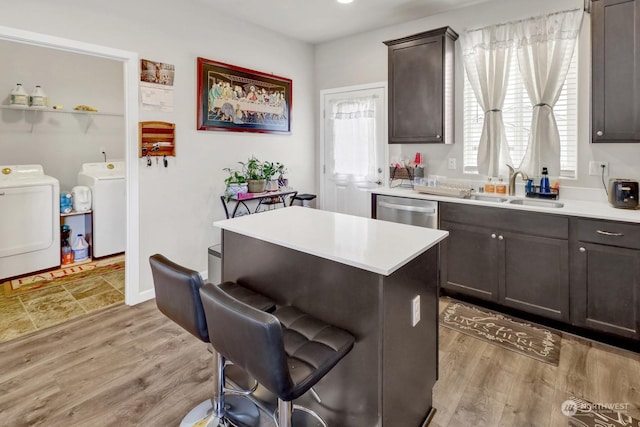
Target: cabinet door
615	71
469	261
536	274
415	91
606	288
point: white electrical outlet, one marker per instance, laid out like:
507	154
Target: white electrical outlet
595	168
452	163
415	310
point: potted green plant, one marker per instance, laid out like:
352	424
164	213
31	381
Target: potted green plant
270	170
236	183
253	171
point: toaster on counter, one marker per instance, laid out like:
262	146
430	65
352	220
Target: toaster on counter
623	193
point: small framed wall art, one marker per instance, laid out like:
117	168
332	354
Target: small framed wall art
237	99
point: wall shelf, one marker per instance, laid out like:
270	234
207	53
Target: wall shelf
33	113
51	110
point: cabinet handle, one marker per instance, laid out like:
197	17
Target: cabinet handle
582	249
500	237
2	194
599	133
609	233
438	136
493	235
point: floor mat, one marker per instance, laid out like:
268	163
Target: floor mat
531	340
62	275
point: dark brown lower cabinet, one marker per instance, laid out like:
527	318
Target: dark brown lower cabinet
605	288
527	270
536	275
469	264
579	271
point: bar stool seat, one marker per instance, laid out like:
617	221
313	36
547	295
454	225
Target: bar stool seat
304	199
287	352
178	298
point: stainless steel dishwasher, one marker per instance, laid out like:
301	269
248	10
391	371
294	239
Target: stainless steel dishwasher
423	213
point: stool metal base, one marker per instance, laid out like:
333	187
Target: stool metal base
239	412
302	417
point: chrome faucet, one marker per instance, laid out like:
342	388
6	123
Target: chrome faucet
512	179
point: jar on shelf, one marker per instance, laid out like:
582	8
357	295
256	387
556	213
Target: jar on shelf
19	96
38	99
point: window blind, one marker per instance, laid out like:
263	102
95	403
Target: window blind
516	114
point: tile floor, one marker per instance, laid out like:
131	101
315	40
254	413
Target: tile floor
23	314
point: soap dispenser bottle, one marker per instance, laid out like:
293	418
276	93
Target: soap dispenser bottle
489	187
501	187
544	182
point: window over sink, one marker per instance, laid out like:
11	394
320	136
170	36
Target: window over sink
517	113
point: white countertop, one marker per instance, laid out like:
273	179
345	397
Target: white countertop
580	208
378	246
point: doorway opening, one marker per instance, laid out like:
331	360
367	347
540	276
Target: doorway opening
129	67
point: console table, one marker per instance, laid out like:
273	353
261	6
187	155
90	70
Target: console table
265	198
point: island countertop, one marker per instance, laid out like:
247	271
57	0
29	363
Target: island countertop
378	246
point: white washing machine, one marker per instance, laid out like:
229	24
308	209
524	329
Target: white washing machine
29	220
108	200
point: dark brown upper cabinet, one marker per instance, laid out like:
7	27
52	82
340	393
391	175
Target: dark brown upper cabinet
421	87
615	63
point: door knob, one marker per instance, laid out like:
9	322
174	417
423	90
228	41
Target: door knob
493	235
500	237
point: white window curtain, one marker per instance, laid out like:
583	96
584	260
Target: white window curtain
354	133
544	47
487	59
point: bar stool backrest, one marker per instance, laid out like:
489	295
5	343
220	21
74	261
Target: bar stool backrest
177	295
251	339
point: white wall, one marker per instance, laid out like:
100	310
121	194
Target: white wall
178	204
61	143
363	59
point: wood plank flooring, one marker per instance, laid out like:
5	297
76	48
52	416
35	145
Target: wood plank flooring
130	366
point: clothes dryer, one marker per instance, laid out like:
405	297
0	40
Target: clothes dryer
108	198
29	220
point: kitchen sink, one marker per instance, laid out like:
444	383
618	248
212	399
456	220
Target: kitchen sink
538	203
488	198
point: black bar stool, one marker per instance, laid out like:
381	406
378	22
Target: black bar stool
304	199
287	352
178	298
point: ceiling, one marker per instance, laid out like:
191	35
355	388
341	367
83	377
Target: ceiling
318	21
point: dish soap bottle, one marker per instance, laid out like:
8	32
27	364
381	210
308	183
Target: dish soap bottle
544	182
501	187
489	187
19	96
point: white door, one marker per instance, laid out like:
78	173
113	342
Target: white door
353	147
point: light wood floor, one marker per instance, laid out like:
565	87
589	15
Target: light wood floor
130	366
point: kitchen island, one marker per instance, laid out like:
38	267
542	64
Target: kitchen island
361	275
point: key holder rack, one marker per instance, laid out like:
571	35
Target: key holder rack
157	139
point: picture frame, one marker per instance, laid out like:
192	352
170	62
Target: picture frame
237	99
